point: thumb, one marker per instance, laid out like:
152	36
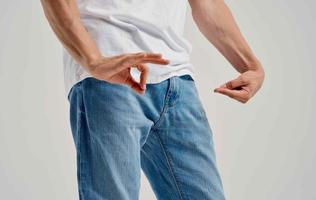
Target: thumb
235	83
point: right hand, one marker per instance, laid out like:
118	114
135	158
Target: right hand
116	69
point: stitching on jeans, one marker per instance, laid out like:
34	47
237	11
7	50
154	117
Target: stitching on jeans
165	106
178	90
171	170
80	181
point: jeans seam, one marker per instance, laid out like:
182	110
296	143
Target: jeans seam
80	181
165	106
171	169
178	90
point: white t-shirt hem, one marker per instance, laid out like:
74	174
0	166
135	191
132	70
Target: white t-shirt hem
151	79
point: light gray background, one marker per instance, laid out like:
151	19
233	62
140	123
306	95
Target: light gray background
265	149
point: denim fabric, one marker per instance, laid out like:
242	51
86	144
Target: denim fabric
164	132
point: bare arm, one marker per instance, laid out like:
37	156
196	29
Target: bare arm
65	21
217	24
64	18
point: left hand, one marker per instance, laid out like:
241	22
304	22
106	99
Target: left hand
243	87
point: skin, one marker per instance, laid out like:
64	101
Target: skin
213	19
217	24
63	16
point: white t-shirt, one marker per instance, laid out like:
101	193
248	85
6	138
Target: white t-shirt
130	26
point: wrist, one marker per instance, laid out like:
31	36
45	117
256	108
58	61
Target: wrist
254	65
257	68
93	61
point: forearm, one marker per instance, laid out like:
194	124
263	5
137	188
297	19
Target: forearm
63	16
217	24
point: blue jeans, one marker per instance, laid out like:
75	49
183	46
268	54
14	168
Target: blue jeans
164	132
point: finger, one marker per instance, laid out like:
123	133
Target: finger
148	57
148	54
156	61
130	61
134	85
143	55
240	95
143	76
238	82
136	56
